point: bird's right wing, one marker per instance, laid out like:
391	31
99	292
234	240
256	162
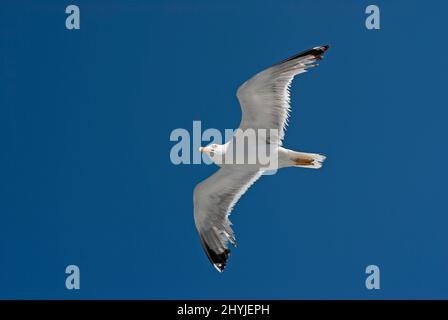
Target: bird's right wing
264	98
214	199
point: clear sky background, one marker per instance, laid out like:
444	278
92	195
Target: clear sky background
86	177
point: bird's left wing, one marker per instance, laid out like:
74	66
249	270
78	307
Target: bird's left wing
264	98
214	199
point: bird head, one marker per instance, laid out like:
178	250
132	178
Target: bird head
214	151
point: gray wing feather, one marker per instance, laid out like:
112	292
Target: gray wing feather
214	199
264	98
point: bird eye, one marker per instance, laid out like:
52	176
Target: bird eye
212	154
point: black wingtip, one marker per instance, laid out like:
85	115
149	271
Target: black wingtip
219	260
317	52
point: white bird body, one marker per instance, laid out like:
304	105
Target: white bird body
264	101
285	157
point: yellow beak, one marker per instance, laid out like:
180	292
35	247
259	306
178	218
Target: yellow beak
204	149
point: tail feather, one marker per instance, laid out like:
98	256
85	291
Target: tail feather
307	160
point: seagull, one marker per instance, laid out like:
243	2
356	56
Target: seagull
264	101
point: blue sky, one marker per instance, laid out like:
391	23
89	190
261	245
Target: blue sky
86	177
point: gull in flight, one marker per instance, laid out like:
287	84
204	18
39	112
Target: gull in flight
264	101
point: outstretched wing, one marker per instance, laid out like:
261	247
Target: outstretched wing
264	98
214	199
